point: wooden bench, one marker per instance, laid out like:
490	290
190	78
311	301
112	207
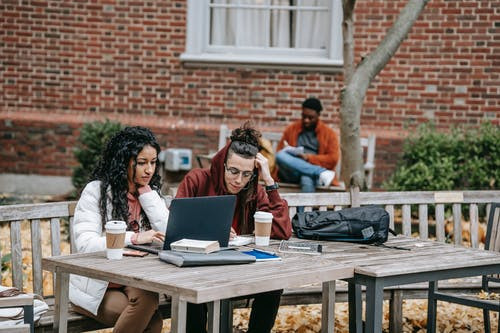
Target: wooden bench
26	302
57	216
367	144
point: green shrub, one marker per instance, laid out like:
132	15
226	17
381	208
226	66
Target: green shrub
92	140
459	160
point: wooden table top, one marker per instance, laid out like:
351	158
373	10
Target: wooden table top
339	261
423	256
204	283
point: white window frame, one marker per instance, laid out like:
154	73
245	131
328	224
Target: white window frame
198	49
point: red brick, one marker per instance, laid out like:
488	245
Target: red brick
135	69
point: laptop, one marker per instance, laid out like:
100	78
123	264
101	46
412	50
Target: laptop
203	218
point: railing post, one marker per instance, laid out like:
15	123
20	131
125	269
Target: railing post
354	191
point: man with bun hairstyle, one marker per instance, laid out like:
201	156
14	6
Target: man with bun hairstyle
236	169
308	151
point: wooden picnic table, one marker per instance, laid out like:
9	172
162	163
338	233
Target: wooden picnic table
198	284
377	267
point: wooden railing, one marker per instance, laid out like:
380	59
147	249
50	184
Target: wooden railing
55	213
421	203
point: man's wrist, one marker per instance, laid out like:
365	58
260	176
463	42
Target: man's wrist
272	187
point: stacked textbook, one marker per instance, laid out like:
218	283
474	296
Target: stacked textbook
193	252
195	246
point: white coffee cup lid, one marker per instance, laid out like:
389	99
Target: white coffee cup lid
263	216
115	225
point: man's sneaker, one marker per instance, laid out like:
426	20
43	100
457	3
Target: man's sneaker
326	177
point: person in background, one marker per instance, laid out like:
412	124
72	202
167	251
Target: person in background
236	169
308	151
124	186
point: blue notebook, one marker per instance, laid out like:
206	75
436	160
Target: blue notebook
262	255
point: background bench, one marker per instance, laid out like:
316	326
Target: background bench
367	145
414	206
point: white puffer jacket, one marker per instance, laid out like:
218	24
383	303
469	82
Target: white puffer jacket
89	237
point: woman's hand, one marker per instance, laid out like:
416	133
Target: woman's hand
150	236
262	164
232	233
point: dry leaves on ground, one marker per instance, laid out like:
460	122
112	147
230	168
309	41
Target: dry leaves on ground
451	318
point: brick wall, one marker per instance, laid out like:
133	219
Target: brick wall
67	62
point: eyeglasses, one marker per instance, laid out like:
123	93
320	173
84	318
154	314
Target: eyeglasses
234	172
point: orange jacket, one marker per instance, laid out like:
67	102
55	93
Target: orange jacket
328	150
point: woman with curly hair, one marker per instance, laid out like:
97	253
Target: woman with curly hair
236	169
125	185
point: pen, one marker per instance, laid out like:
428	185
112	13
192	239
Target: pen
266	252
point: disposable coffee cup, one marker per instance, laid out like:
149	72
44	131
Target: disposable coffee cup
115	239
263	222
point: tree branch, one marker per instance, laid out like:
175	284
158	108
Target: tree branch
376	61
348	38
357	81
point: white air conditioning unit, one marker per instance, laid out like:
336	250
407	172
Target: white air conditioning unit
177	159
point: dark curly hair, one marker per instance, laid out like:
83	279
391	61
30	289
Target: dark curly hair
112	169
245	143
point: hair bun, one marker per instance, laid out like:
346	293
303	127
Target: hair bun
246	134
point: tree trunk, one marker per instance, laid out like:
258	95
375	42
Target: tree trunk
357	81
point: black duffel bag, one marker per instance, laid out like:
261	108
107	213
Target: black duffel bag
367	225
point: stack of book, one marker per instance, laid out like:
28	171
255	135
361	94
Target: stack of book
195	246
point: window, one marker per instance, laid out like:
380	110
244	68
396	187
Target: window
273	32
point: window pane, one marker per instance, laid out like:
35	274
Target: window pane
280	25
222	25
253	24
270	23
310	27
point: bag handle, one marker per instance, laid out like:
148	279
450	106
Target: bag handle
390	246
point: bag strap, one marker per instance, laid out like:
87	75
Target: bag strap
391	247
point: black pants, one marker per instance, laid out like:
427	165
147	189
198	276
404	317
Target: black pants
264	310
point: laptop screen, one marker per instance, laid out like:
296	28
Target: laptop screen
203	218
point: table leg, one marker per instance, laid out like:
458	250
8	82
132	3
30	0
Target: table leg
431	307
226	315
214	316
28	316
396	311
61	301
328	307
355	306
179	311
374	304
